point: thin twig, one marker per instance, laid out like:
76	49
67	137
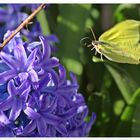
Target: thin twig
24	23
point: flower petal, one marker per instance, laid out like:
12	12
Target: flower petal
62	74
3	67
30	127
67	89
41	126
39	57
45	48
34	78
9	61
3	90
73	78
90	123
82	112
31	60
31	113
33	45
47	103
25	93
3	15
52	119
52	38
12	43
69	114
49	89
51	132
54	76
3	118
5	76
20	54
22	16
7	104
78	99
61	129
25	84
12	90
23	76
44	81
50	63
16	109
5	131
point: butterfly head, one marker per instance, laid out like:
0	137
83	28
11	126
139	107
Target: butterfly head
94	44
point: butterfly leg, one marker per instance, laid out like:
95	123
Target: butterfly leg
93	47
96	52
102	57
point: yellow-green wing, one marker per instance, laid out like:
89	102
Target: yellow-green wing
122	42
128	29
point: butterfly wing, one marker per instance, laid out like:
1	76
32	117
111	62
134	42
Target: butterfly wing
122	42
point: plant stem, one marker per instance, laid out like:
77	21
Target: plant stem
24	23
44	25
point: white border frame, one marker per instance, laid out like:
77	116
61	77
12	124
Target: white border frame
71	1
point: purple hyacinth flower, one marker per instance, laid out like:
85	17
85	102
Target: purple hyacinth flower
84	129
16	99
5	129
12	13
58	111
21	66
34	33
44	62
50	39
63	86
42	117
37	97
12	43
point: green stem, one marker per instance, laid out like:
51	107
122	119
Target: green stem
43	22
127	116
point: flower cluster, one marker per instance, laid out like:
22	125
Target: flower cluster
36	98
14	13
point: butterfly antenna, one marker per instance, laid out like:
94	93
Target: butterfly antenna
84	39
93	34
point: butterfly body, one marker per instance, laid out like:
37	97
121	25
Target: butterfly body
121	43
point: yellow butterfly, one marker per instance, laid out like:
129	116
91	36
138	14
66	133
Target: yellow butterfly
121	43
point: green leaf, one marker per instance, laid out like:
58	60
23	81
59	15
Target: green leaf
41	16
106	103
124	82
96	59
136	119
127	117
74	65
127	11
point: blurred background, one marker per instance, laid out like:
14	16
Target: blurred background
111	90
